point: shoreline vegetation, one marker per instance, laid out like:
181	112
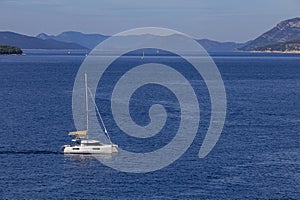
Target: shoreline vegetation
276	51
292	46
10	50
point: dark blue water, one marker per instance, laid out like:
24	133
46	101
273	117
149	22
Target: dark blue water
257	156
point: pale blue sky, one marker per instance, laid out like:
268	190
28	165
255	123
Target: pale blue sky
223	20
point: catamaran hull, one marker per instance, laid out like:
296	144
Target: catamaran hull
104	149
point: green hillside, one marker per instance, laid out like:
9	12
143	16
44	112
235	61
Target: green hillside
293	45
285	31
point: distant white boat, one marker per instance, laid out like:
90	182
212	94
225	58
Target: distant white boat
143	55
83	144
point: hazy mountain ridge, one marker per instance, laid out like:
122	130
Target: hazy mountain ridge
88	41
283	36
92	40
215	46
29	42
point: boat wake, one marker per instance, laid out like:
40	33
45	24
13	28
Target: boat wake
28	152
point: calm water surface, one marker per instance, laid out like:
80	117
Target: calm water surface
257	156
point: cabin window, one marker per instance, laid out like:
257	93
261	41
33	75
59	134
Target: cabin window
92	144
96	148
75	148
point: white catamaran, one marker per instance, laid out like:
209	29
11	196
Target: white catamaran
84	145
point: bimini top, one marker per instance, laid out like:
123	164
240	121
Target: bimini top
78	133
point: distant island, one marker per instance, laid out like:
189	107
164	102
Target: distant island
10	50
283	38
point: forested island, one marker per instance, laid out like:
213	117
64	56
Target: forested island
10	50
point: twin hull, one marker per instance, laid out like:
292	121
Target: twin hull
103	149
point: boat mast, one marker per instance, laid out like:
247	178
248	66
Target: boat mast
86	104
101	119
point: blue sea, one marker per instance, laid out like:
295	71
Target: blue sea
256	157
